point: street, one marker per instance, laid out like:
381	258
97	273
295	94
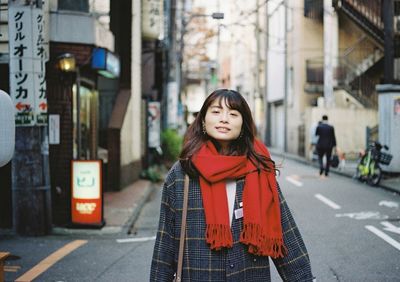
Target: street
351	230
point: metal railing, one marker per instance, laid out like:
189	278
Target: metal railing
366	13
371	9
361	87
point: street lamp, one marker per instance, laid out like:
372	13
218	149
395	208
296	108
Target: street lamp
67	63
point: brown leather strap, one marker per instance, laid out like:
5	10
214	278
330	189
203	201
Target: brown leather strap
183	229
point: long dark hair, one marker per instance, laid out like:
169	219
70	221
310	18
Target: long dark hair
195	138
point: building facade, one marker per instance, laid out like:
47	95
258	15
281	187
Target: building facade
96	107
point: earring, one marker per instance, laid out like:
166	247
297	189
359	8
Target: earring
204	128
241	134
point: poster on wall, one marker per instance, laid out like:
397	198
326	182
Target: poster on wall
396	108
154	116
87	194
172	104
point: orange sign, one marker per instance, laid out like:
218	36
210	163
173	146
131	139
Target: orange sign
87	194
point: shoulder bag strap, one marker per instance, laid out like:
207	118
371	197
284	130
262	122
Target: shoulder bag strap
183	229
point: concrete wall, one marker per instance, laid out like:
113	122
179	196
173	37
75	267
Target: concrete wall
77	27
389	122
349	123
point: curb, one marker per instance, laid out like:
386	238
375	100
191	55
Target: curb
138	208
111	230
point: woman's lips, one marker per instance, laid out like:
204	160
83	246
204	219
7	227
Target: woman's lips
222	129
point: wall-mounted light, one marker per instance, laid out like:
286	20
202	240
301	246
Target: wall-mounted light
66	62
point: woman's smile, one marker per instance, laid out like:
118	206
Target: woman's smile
223	129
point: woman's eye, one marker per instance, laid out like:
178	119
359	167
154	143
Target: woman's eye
215	112
234	114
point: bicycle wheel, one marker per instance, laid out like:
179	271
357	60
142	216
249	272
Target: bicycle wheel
375	177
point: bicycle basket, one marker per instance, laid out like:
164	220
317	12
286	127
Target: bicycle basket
385	158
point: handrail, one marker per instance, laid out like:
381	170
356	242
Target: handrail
352	47
371	9
367	14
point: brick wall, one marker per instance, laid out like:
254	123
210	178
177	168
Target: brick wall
59	98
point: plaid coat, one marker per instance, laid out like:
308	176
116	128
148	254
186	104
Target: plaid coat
200	263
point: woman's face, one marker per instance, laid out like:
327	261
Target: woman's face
223	124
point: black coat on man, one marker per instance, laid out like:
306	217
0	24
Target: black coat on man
325	144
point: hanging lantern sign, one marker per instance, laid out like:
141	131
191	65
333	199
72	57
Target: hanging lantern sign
152	19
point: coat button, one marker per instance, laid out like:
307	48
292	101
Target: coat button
255	260
231	265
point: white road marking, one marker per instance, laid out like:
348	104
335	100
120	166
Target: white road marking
294	181
363	215
135	240
390	227
389	204
383	236
327	202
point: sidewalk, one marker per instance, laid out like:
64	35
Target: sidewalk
121	209
389	183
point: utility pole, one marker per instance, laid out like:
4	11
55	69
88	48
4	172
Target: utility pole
330	48
285	100
257	92
388	14
30	165
267	134
218	67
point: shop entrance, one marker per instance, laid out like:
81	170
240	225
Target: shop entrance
85	144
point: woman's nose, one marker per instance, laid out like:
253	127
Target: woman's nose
224	117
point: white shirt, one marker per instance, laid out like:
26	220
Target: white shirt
231	193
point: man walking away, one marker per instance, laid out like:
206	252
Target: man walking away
326	142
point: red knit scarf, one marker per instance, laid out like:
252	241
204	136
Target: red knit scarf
262	230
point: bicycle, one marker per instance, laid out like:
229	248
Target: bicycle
368	167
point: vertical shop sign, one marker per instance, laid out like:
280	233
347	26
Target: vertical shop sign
152	19
27	65
87	195
39	55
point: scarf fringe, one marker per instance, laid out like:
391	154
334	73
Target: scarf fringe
219	236
259	243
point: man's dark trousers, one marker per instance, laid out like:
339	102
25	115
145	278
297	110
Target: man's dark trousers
321	152
325	144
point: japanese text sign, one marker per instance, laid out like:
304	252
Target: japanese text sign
27	65
152	18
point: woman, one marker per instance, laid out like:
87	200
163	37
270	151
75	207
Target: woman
237	216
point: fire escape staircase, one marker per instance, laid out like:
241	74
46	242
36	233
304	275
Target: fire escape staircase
354	62
351	73
367	15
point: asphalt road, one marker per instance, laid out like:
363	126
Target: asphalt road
351	230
